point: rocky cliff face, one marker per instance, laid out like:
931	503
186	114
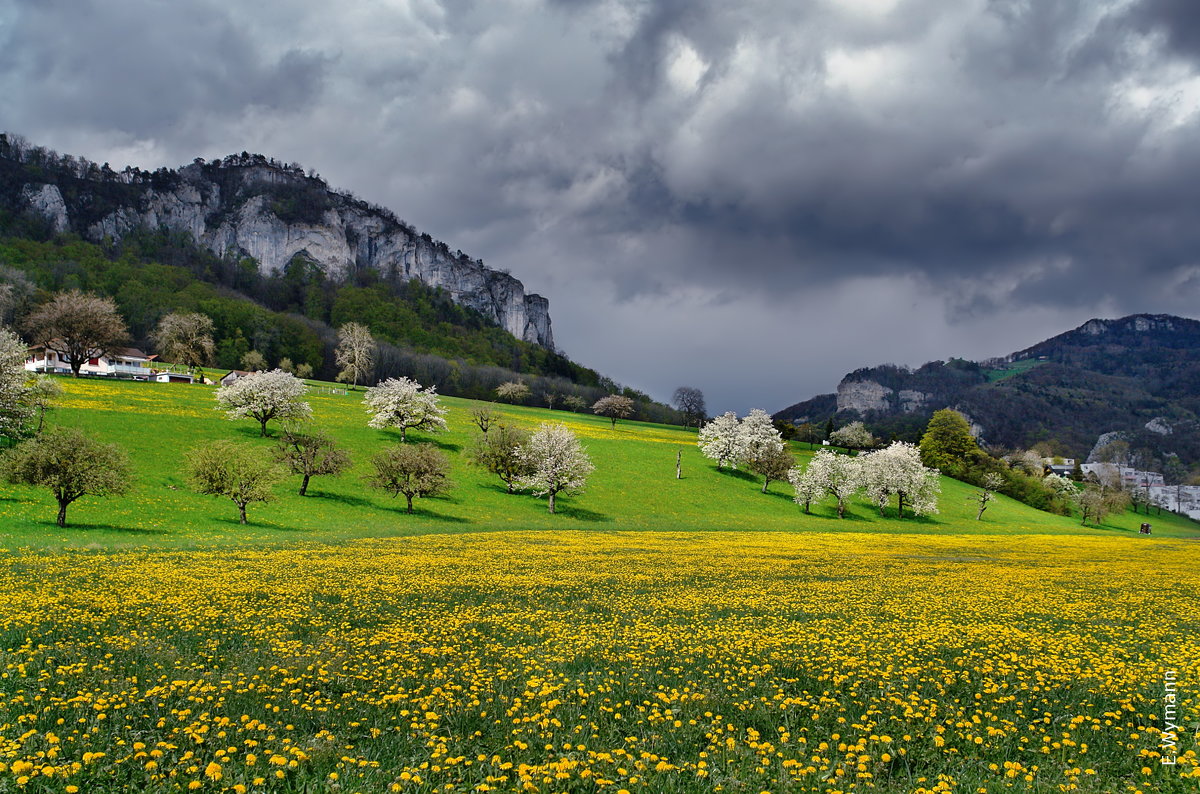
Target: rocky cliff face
867	395
249	207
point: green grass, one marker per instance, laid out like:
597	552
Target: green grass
1015	368
634	487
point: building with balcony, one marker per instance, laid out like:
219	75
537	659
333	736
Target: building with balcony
129	363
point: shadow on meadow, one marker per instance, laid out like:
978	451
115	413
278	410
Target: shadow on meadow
346	499
501	488
582	514
737	474
420	513
251	522
72	525
393	437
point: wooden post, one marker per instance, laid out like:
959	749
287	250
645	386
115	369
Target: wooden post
679	464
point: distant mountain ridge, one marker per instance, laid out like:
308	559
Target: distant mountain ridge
1138	376
247	205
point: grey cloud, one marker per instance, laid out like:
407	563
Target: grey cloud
1034	157
1177	20
146	68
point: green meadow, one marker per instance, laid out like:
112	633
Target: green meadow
634	486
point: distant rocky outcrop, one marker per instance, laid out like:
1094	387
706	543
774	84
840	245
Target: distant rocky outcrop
248	206
863	396
1135	378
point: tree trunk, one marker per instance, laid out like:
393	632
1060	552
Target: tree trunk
404	434
263	422
552	501
510	485
41	419
766	482
806	510
842	509
409	498
982	507
242	510
614	422
304	485
62	512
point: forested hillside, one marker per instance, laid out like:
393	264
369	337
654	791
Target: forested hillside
291	314
1137	376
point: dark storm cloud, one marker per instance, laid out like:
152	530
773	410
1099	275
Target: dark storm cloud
940	168
1178	20
146	67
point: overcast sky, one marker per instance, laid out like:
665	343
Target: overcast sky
752	198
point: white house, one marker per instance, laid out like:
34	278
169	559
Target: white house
127	362
173	377
1130	477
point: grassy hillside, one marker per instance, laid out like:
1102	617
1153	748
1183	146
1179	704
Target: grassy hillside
484	645
634	487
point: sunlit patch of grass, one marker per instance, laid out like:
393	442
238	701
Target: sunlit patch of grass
634	486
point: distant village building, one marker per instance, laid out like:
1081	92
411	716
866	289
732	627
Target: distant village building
173	377
1130	477
1063	466
127	362
1177	498
233	375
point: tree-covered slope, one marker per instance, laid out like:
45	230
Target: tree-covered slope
1139	375
291	314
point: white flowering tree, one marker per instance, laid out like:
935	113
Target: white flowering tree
1061	486
15	410
557	462
265	396
828	474
897	471
759	437
807	487
853	436
721	439
403	404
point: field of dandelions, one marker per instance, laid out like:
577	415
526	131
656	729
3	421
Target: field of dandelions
603	662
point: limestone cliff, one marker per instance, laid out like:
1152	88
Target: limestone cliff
863	396
248	206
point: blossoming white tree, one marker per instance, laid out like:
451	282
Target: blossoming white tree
808	489
15	411
614	406
1062	487
402	403
557	461
721	439
828	474
265	396
853	436
897	471
759	438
